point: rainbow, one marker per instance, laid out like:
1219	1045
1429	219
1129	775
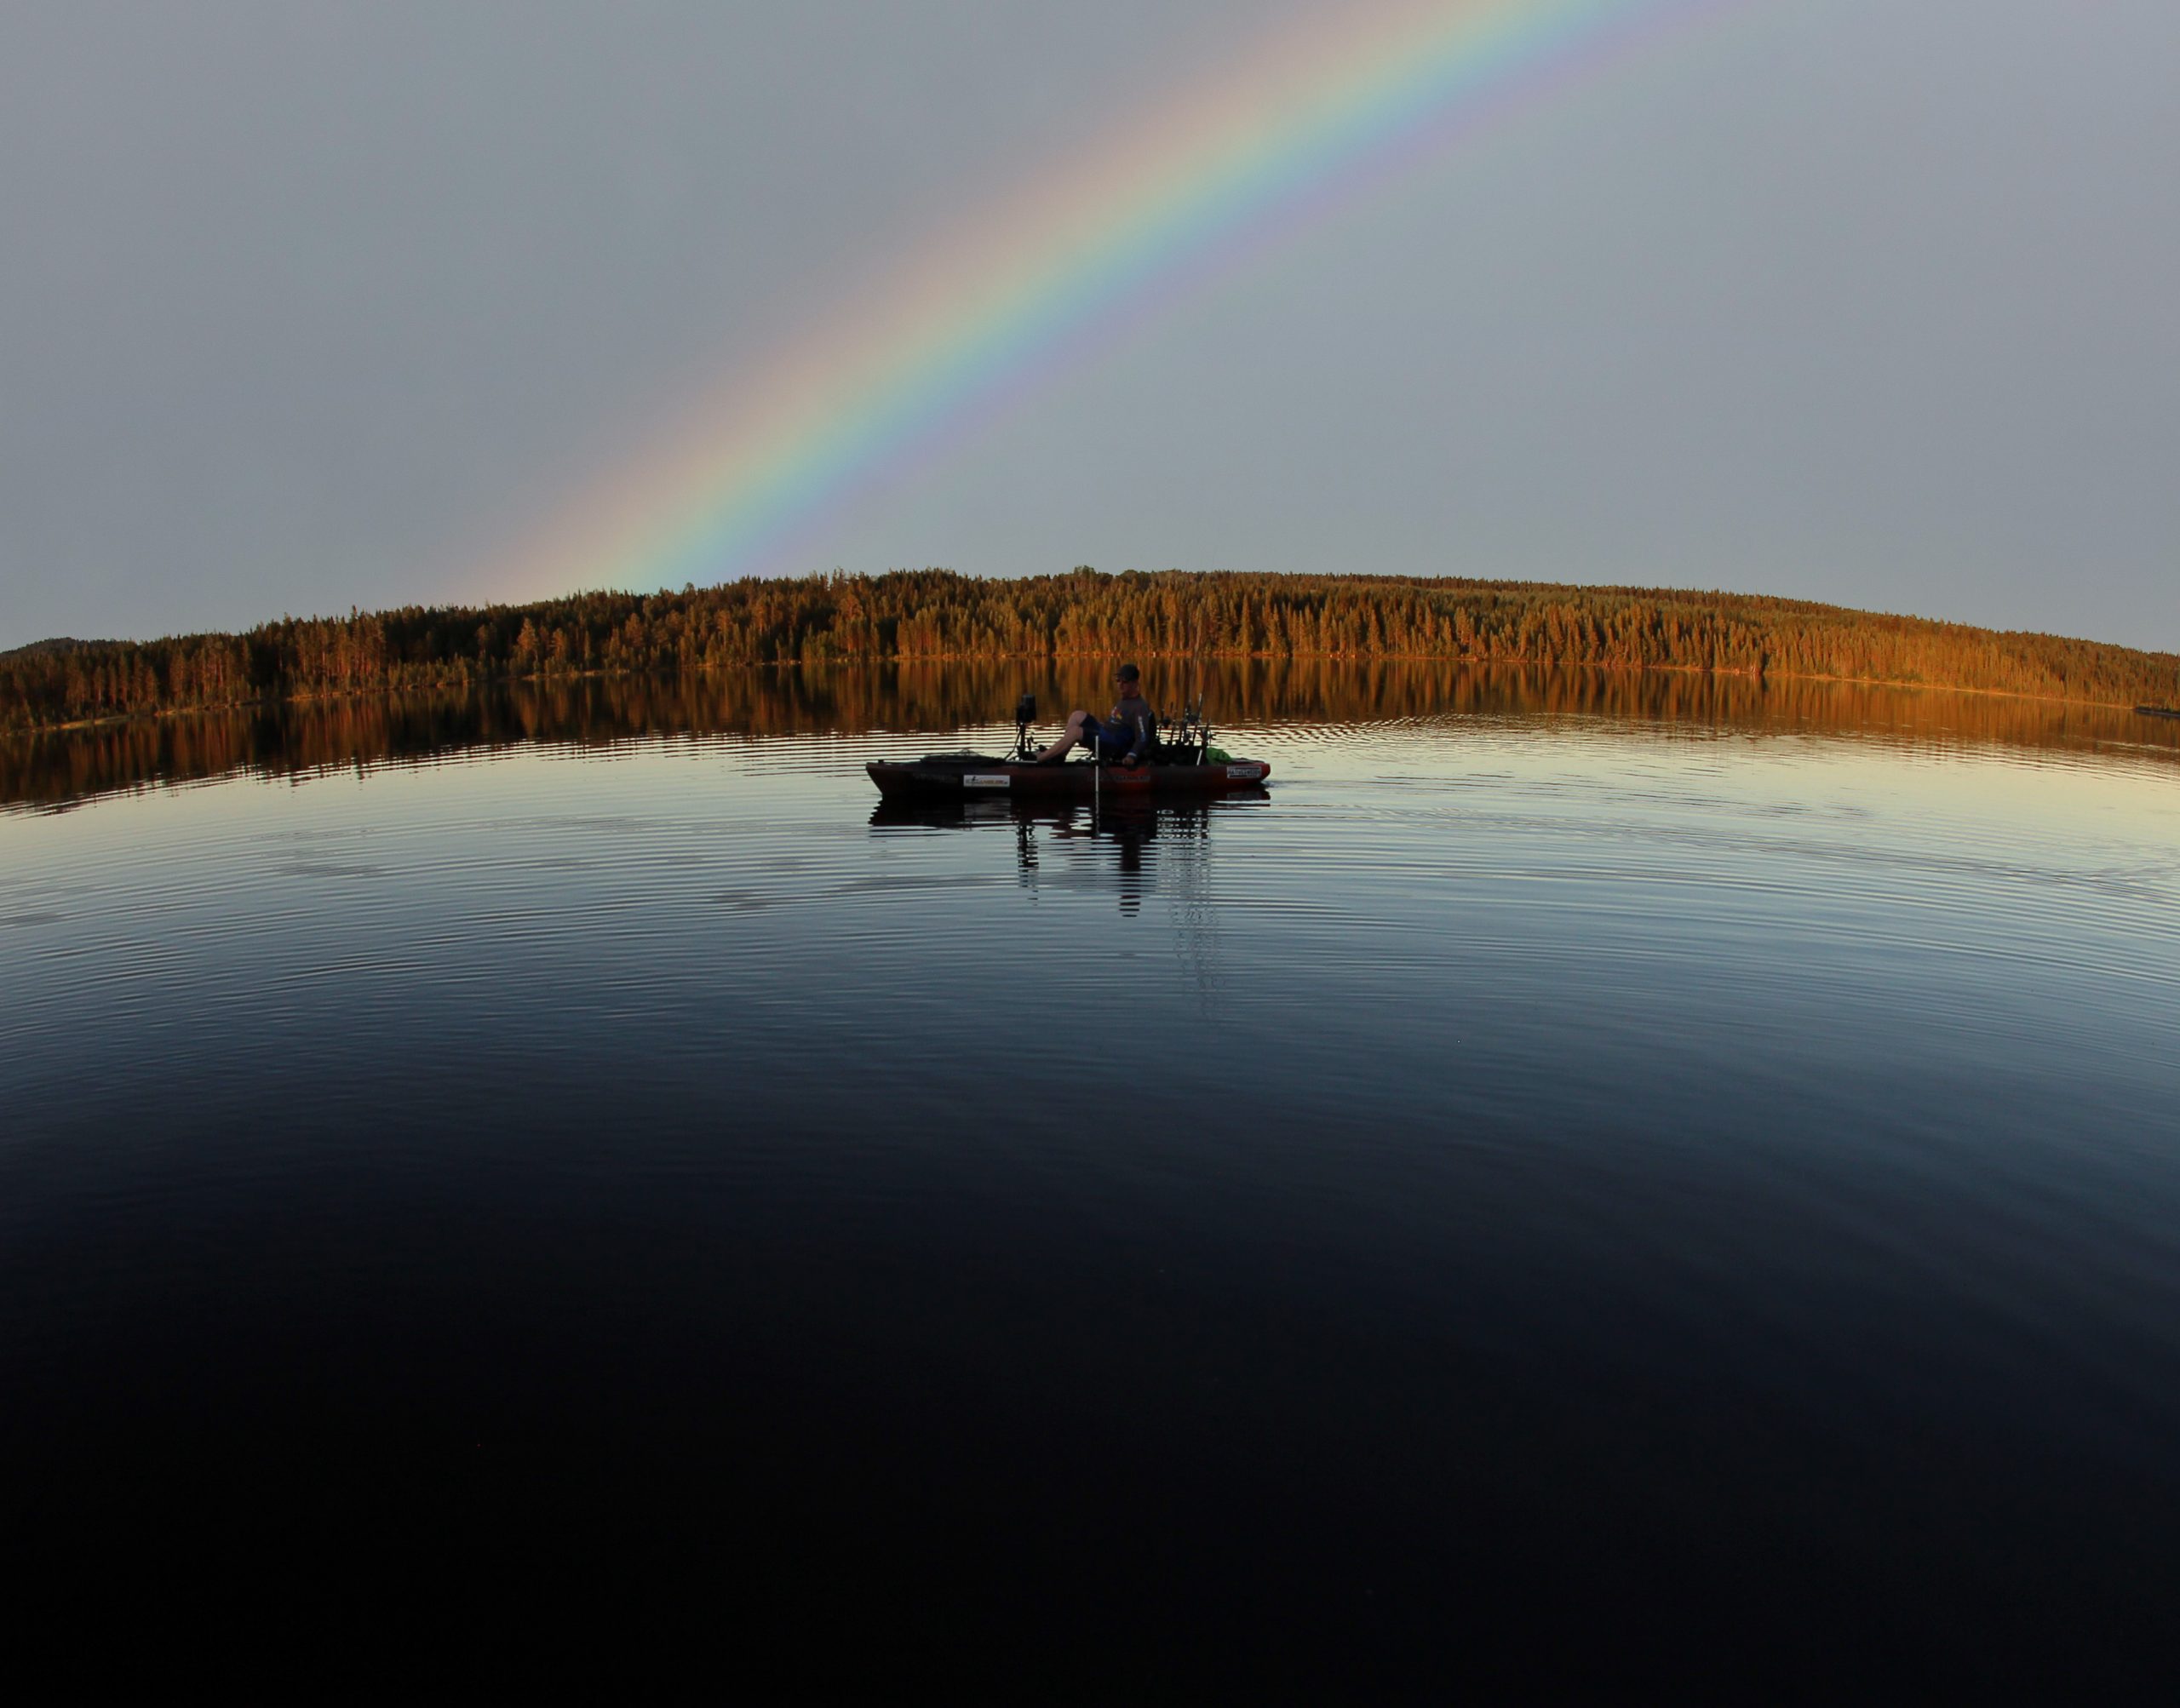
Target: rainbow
985	314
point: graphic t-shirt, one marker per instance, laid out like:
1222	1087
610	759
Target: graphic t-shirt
1136	720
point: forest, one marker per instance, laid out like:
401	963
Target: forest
935	616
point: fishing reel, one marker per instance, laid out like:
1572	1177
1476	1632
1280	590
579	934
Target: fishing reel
1026	714
1194	734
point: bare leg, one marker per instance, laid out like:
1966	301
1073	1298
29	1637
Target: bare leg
1067	742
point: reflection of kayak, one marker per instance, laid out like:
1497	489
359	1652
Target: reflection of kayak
2159	711
970	775
1153	815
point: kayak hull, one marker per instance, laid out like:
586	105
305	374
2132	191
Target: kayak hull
969	777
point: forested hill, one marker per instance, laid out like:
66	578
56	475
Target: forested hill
936	614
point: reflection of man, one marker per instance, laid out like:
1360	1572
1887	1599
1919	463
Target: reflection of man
1127	736
1127	827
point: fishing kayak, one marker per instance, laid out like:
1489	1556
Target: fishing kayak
968	776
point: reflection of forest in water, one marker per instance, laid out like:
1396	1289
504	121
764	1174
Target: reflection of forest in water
302	738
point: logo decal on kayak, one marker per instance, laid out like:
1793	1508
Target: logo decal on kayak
1247	773
984	779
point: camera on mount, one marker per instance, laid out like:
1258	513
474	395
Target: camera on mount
1026	714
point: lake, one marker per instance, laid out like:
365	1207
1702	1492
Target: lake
1584	1178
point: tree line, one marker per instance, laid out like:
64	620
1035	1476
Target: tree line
935	616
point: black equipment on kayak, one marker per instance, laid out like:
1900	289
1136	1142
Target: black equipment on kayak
1182	761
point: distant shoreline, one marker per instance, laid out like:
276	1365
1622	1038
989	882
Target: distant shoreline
933	617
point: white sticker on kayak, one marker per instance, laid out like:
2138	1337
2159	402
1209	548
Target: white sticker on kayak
984	779
1248	773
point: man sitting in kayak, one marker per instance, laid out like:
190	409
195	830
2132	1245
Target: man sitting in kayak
1128	736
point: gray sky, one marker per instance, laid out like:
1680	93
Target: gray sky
1877	301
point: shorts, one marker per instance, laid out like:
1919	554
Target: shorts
1111	743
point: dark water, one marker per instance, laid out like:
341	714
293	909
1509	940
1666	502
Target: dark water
1623	1179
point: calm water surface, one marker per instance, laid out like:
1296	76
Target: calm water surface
1558	1183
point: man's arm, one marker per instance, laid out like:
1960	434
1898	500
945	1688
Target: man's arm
1146	728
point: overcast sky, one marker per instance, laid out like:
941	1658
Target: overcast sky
307	305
